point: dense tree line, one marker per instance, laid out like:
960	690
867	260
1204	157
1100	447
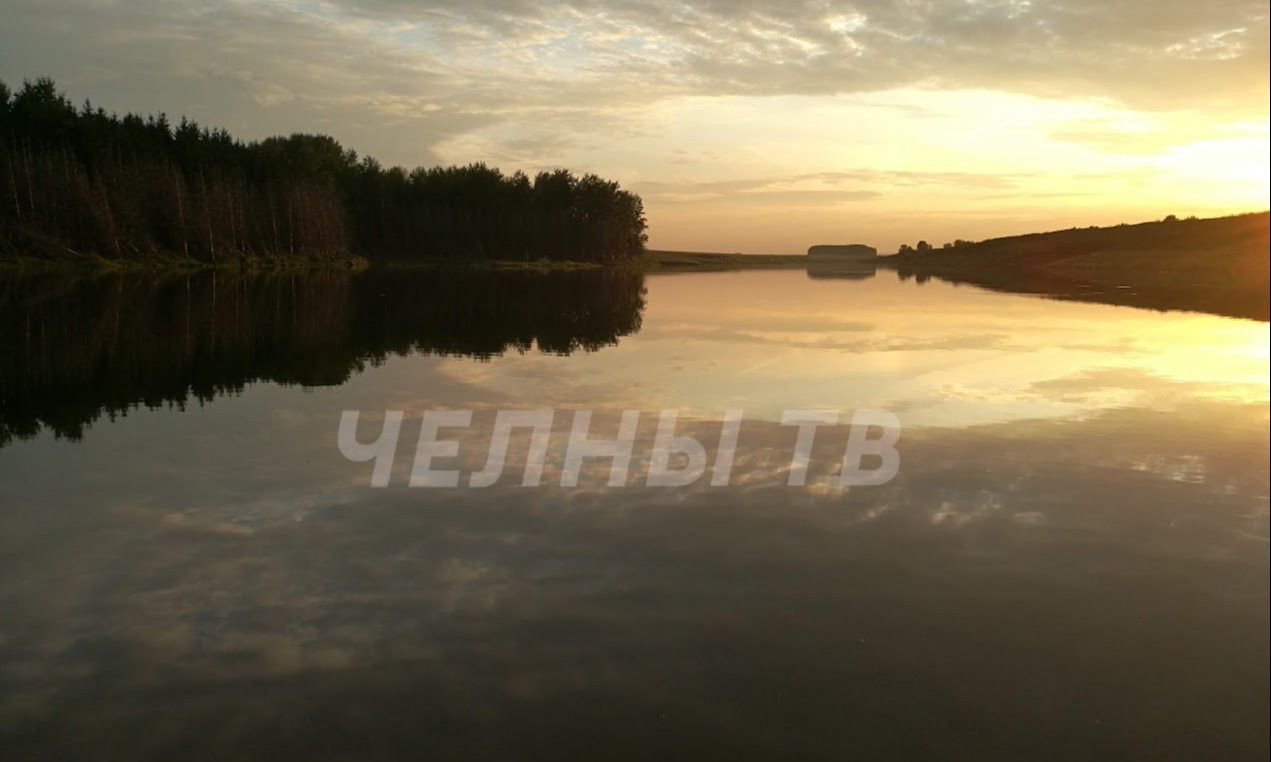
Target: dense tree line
81	181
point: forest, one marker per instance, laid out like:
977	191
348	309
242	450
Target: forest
82	184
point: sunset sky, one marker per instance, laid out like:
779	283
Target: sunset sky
746	126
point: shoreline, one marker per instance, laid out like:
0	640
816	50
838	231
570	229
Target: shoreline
1216	266
660	260
650	261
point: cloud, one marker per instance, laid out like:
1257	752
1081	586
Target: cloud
441	69
920	106
488	608
1143	52
256	69
816	188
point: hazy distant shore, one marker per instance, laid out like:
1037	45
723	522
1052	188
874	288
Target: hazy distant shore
1217	265
706	261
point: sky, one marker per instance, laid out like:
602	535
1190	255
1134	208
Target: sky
745	126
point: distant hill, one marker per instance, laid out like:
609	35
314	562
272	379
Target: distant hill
1217	265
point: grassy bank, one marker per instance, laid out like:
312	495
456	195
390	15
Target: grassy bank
76	263
700	261
160	263
1217	265
651	261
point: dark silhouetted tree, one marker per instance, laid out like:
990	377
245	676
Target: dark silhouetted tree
80	182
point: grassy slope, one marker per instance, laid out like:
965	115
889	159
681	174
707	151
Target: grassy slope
700	261
1217	265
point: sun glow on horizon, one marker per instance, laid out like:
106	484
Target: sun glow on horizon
778	173
745	128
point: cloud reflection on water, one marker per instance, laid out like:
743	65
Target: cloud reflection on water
1073	559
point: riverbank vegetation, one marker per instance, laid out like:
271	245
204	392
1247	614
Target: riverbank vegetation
1217	265
79	184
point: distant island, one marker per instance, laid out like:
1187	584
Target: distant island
79	185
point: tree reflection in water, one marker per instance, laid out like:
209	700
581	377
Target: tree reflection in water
78	349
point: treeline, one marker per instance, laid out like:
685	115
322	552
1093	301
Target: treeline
1169	232
82	182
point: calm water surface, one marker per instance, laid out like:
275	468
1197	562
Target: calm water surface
1072	562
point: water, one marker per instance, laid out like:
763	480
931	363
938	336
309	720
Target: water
1072	561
